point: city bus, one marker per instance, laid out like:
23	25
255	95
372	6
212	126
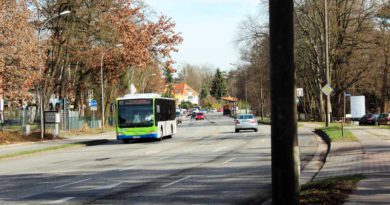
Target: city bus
140	116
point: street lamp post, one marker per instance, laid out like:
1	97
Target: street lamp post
41	106
327	72
102	80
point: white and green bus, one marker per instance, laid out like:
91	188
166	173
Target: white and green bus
145	116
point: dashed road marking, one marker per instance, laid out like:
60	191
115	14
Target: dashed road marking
61	201
219	149
128	168
76	182
151	152
174	182
229	160
108	186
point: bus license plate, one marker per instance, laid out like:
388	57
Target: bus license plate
137	137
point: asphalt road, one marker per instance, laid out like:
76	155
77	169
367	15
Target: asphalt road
204	163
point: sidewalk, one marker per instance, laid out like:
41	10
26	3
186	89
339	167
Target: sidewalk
375	189
16	148
369	157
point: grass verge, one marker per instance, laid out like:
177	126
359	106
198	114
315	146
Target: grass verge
335	134
265	120
331	191
29	152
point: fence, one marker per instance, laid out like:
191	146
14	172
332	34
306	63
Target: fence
16	119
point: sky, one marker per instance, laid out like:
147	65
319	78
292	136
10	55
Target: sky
209	28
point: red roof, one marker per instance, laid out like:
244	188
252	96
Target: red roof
183	89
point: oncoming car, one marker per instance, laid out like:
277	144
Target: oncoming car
199	116
246	122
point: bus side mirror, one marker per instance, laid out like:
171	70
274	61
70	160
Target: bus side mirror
158	108
112	107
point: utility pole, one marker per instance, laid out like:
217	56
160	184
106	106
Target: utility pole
327	101
246	93
284	143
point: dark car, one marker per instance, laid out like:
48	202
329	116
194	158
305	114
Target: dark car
193	115
369	119
384	119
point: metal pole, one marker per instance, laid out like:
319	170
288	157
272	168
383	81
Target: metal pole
327	106
102	88
246	94
41	92
284	143
343	118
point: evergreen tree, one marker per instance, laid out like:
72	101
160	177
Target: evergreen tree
169	80
218	86
204	93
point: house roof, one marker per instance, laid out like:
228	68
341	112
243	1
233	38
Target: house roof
230	99
183	89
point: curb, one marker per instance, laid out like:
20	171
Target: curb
315	165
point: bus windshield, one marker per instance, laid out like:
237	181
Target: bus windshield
135	115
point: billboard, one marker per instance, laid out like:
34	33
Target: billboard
358	106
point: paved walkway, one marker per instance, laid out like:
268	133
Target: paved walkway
375	189
370	156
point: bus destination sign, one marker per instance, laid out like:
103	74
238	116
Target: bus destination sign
135	102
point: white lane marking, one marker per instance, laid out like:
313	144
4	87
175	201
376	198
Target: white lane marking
76	182
128	168
190	149
174	182
108	186
219	149
166	157
61	201
229	160
151	152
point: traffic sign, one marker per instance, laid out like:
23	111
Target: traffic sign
347	94
93	103
299	92
327	89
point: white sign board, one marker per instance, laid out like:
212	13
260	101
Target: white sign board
1	104
299	92
358	106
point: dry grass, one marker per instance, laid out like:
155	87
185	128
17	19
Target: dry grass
331	191
7	137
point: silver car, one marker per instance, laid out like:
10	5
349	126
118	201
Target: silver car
246	122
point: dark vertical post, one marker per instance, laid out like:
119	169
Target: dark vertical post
285	150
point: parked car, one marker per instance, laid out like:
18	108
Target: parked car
199	116
246	122
369	119
384	119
